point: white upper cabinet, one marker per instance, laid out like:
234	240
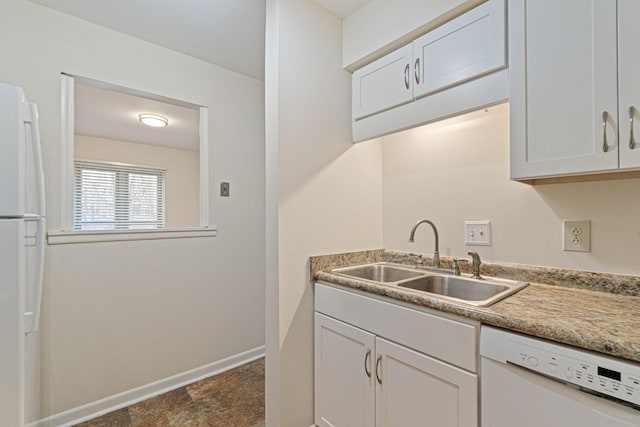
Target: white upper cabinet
455	68
564	86
465	48
629	82
383	84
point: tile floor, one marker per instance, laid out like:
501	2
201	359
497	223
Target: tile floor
232	399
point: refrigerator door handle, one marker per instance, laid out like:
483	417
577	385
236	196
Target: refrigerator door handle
32	318
31	117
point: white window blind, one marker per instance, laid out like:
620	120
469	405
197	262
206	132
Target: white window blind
111	196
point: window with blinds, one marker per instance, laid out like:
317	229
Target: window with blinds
111	196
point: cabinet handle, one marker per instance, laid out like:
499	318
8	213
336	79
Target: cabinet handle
377	365
406	76
416	70
605	146
367	359
632	140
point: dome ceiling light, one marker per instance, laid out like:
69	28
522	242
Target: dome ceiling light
153	120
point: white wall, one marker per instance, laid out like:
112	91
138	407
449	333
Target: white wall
458	170
382	25
182	181
323	194
120	315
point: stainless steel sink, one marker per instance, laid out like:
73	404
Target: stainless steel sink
478	292
382	273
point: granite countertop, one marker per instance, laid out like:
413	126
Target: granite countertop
595	320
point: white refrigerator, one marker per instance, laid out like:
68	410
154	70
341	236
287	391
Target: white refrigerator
22	245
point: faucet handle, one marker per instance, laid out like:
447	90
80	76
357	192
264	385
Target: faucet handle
476	264
456	267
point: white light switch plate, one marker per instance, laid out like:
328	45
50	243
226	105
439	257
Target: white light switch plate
576	235
477	233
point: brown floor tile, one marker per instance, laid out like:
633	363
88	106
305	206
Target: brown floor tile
159	405
208	386
249	403
197	414
119	418
232	399
159	421
251	370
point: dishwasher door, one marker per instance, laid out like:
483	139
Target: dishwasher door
512	396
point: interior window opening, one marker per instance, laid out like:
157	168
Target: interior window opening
137	160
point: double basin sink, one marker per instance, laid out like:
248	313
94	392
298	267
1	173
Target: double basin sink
478	292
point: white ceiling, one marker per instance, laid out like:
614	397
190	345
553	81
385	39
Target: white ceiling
228	33
114	115
342	8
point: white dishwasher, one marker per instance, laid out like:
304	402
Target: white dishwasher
529	382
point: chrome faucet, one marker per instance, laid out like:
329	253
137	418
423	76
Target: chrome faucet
436	253
475	268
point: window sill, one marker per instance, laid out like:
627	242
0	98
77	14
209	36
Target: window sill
72	237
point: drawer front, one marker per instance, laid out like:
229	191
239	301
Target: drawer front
440	337
467	47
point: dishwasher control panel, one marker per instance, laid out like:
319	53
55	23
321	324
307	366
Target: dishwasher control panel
603	374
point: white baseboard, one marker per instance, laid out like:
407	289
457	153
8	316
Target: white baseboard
103	406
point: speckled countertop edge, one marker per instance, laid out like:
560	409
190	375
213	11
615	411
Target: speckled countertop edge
593	320
601	282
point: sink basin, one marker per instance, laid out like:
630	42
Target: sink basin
383	273
478	292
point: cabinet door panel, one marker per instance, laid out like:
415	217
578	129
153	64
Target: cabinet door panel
563	76
383	84
418	390
344	393
465	48
629	81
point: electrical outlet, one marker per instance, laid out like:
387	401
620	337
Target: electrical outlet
577	235
477	233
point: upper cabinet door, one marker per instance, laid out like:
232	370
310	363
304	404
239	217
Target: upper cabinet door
563	78
383	84
629	82
465	48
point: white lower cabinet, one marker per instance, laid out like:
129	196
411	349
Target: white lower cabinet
413	389
366	380
344	382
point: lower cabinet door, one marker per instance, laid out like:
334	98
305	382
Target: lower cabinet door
414	390
344	361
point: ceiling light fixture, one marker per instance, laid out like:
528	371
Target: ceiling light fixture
153	120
